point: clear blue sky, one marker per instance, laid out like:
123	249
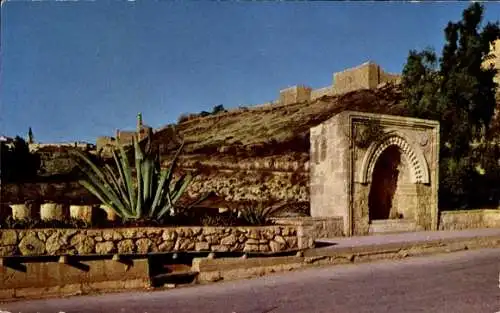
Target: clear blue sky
78	70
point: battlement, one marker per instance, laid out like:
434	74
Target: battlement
295	94
368	75
365	76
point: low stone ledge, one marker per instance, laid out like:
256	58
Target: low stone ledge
469	219
315	227
212	270
56	279
41	242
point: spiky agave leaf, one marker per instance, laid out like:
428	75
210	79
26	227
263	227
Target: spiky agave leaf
122	179
127	173
174	195
169	206
147	180
98	184
180	187
173	165
159	195
109	194
118	185
139	158
153	194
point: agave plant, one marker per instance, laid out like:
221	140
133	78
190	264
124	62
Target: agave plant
152	195
259	214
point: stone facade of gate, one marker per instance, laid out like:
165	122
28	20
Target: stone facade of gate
367	166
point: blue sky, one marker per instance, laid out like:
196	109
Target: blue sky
78	70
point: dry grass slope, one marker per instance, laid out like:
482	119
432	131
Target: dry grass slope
275	130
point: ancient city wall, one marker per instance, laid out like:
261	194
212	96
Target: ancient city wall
365	76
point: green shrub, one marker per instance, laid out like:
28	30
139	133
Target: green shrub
259	214
153	195
17	163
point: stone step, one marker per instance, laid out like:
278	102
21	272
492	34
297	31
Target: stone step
392	226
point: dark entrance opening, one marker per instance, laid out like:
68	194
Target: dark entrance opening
384	184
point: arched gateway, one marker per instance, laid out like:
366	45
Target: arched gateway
388	183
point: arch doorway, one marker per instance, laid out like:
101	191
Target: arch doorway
384	184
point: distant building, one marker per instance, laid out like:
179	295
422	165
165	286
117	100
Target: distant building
368	75
34	147
125	136
493	59
106	144
8	141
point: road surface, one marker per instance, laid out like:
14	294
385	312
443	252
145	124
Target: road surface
465	282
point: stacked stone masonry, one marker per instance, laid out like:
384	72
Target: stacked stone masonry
148	240
344	181
365	76
469	219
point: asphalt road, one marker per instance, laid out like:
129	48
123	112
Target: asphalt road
465	282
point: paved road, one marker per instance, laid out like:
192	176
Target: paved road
465	282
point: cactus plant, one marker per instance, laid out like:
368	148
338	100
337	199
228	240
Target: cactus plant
154	193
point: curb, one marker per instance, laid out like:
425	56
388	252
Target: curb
213	270
210	269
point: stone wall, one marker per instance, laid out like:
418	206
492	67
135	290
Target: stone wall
295	94
329	178
316	227
321	92
146	240
469	219
366	76
252	186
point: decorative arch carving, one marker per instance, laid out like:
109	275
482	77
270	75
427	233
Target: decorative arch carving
419	170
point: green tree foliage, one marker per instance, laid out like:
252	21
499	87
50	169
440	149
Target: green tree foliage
459	92
218	109
17	164
215	110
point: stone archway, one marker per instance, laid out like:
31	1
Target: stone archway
419	171
343	173
391	170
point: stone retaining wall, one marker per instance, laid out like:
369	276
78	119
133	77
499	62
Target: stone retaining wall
146	240
316	227
467	219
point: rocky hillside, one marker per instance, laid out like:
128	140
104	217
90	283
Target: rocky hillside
261	153
270	131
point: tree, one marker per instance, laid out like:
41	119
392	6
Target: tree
459	92
218	109
17	164
421	83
